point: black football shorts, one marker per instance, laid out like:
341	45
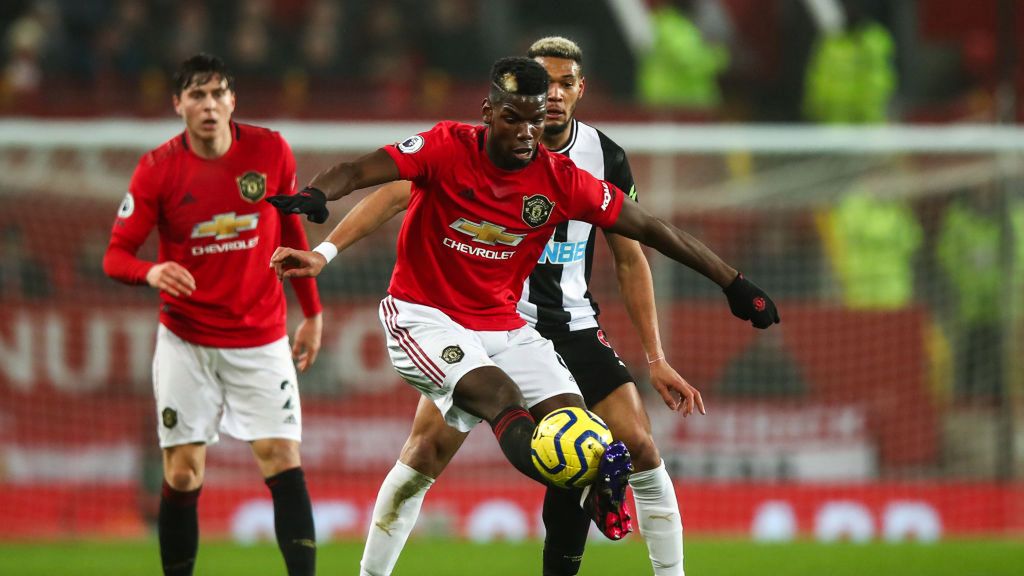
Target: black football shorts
590	357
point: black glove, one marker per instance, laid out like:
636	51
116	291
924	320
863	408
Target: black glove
309	201
748	302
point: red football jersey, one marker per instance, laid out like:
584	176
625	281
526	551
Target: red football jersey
213	221
474	232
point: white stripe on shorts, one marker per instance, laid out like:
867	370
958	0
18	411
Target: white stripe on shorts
406	341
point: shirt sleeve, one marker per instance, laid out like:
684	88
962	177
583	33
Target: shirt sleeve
419	157
595	201
136	218
287	185
293	235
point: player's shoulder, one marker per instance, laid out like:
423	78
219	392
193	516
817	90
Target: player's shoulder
258	135
457	131
559	164
165	153
243	130
609	146
610	149
557	161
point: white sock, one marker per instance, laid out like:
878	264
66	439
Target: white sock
659	518
394	515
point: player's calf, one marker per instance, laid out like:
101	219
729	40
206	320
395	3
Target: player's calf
513	427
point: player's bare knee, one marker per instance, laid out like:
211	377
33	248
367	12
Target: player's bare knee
427	454
642	450
183	479
276	455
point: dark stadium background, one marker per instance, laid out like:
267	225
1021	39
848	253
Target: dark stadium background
877	421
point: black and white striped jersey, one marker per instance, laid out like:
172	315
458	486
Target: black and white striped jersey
555	296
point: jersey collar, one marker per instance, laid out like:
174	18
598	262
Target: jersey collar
572	139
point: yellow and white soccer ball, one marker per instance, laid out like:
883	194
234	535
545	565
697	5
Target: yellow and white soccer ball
567	446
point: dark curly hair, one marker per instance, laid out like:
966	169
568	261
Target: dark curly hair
519	76
199	69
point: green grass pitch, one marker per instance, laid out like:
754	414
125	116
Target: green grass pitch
459	558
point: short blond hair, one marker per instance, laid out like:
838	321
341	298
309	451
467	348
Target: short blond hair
556	47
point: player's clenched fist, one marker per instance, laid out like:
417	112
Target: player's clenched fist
291	263
748	302
309	201
172	278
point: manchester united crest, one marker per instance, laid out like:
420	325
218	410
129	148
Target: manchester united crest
452	354
536	209
252	186
170	417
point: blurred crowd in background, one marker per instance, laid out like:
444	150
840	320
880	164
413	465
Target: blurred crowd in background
871	233
734	60
900	273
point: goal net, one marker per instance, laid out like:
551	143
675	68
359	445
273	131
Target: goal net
887	404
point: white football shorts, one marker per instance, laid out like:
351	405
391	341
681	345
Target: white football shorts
249	393
432	352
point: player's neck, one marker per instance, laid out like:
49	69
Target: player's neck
210	148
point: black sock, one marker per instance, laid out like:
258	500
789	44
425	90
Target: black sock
293	521
178	530
513	427
567	526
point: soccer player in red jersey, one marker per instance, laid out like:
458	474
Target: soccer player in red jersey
557	302
222	359
483	205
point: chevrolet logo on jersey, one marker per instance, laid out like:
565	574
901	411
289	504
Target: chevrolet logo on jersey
487	233
224	226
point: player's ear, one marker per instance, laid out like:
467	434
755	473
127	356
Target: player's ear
487	111
177	104
583	88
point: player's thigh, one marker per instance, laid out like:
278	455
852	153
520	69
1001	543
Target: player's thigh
532	363
261	392
187	392
432	353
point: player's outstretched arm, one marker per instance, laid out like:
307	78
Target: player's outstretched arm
371	213
368	215
746	300
337	182
637	288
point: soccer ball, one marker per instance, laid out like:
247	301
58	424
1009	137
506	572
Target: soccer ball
567	446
